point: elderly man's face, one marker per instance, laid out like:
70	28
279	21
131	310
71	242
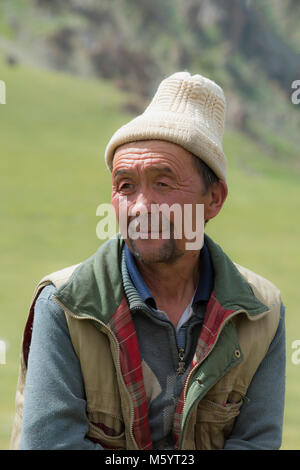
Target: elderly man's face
155	172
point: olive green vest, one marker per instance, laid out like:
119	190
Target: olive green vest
245	309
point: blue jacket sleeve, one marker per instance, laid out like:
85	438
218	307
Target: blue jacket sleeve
54	415
259	424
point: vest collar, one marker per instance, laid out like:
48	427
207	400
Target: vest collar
231	290
96	288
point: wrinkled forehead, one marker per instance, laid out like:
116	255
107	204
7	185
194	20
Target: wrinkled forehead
151	153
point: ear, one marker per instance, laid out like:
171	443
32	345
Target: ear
217	195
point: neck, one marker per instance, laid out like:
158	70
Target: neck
173	283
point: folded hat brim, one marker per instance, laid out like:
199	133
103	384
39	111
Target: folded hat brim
192	135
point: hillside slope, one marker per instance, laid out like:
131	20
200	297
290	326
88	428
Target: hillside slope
249	47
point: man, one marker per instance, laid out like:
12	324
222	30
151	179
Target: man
149	344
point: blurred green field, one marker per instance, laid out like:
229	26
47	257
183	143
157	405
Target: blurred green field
53	132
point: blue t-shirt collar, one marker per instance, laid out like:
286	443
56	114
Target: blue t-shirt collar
204	287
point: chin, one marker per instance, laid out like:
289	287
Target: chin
155	251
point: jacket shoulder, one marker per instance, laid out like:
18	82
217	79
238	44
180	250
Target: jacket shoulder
262	288
60	277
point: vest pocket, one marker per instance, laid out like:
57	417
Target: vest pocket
214	423
107	430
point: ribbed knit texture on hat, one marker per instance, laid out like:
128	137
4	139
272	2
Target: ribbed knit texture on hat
188	110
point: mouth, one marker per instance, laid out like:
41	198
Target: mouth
151	232
152	236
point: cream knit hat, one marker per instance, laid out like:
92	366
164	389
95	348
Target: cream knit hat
188	110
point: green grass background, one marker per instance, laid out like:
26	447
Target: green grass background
53	133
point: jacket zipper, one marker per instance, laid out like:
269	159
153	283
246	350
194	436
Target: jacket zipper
89	317
181	364
198	365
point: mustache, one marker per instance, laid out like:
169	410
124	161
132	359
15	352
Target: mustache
156	222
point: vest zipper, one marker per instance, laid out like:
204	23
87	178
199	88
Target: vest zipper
181	364
217	337
198	365
89	317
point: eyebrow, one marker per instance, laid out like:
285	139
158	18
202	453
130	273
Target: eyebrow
121	173
152	169
161	169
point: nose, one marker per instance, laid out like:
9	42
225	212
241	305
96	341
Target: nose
142	204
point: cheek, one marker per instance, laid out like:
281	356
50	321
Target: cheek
115	203
185	196
190	213
120	205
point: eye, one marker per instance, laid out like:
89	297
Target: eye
162	184
125	187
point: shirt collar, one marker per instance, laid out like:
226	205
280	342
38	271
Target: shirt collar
137	279
204	287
